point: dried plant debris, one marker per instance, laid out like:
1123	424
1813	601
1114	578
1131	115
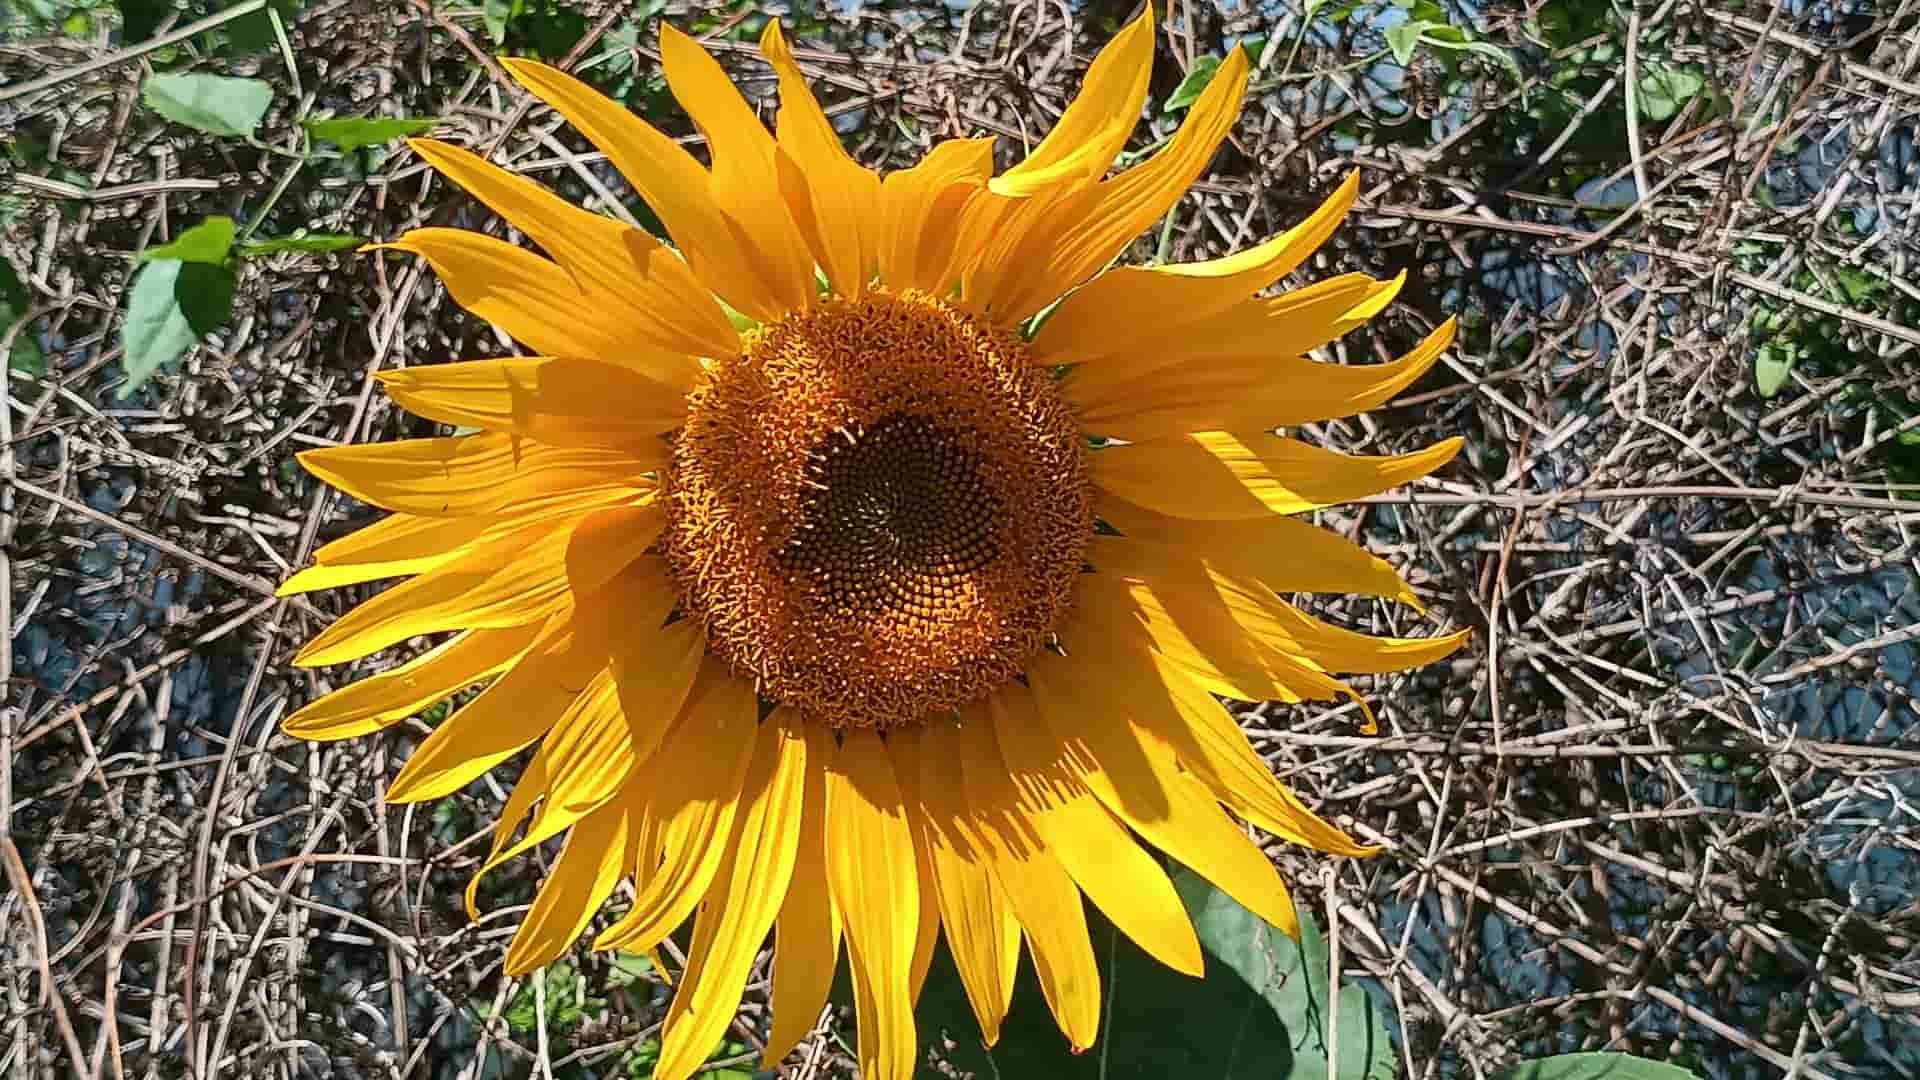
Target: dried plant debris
1665	804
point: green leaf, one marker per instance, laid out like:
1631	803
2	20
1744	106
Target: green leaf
1596	1066
1256	44
1860	286
1772	366
498	13
1258	1014
174	304
207	242
215	104
555	28
1292	979
15	300
254	33
1404	38
353	132
305	241
1190	87
1664	88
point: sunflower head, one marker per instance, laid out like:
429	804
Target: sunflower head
897	613
877	508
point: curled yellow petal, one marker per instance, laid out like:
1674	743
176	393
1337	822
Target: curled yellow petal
1115	310
668	307
1221	476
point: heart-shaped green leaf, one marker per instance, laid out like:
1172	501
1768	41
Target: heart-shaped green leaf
1595	1067
173	305
207	242
1260	1012
215	104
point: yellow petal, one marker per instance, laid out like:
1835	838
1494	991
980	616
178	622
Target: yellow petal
1040	891
919	207
1125	206
743	900
467	474
409	544
537	303
807	938
1115	872
669	180
606	542
373	703
1288	554
587	752
973	910
745	182
1337	649
1174	703
512	712
1291	324
1212	747
669	308
1254	394
562	402
1004	279
403	544
399	537
836	213
1137	777
1196	631
1194	592
1098	121
695	792
315	578
531	786
874	880
906	772
581	880
1111	313
1222	476
519	577
655	670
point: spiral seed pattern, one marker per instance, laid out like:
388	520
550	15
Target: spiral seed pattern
878	509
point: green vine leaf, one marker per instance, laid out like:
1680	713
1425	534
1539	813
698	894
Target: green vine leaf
207	242
1259	1013
215	104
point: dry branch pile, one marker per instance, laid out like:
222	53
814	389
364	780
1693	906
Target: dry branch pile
1668	802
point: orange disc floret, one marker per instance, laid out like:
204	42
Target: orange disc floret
878	508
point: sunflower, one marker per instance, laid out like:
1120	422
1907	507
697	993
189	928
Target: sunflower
871	563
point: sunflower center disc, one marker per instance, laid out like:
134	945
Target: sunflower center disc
878	509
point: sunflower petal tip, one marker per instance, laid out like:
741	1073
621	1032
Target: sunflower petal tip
670	32
519	66
772	37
